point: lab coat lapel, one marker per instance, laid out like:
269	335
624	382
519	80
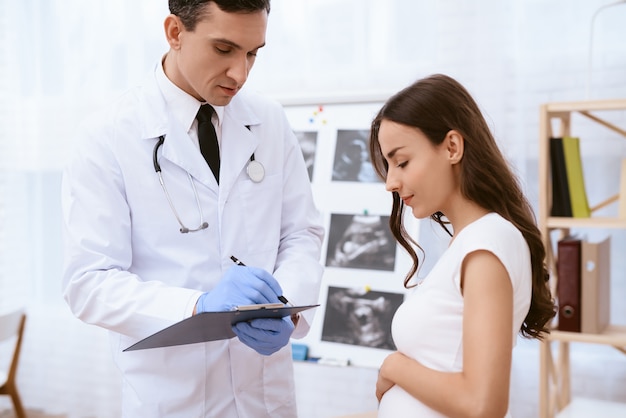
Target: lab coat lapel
238	143
153	112
180	149
178	146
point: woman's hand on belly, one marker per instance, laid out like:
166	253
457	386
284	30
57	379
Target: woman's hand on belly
383	384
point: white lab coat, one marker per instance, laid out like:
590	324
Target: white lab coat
130	270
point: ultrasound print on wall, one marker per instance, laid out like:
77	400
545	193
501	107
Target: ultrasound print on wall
360	317
308	145
361	241
352	160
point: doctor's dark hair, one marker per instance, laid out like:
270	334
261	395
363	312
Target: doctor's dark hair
435	105
192	11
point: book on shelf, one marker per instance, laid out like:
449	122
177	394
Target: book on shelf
561	205
575	177
595	303
568	284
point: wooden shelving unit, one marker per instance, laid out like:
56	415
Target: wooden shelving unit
554	383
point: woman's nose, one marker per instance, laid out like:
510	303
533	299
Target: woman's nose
391	183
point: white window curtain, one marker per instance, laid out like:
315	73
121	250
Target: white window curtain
67	58
60	59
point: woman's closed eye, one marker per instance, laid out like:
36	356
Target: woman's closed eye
223	51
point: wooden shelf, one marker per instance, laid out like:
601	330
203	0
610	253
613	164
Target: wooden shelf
554	379
586	105
613	335
564	223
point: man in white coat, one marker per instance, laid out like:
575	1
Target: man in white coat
149	229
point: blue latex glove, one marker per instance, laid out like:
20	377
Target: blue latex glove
241	285
265	335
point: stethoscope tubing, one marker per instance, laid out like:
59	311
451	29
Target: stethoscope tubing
157	167
255	171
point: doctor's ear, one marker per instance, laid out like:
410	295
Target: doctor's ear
455	144
173	27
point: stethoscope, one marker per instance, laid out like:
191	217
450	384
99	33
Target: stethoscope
255	171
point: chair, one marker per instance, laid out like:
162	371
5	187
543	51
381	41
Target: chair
12	326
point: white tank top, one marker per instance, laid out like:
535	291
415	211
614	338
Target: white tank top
428	326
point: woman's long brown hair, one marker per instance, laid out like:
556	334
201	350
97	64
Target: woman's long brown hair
435	105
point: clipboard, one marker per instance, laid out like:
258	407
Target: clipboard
210	326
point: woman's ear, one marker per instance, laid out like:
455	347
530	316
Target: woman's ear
454	146
173	28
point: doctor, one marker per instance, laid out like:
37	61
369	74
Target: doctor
141	255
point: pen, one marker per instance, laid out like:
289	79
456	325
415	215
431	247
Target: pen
239	263
236	260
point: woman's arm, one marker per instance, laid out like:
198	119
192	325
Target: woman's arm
481	389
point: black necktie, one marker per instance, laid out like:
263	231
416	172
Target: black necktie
207	138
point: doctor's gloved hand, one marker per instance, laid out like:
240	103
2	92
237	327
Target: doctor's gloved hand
241	285
265	335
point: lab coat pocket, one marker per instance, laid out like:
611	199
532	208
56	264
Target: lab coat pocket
262	204
280	392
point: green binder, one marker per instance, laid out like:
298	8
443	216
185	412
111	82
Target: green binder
575	178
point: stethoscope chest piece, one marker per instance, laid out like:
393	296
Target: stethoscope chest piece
255	171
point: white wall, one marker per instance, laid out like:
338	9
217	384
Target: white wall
60	57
